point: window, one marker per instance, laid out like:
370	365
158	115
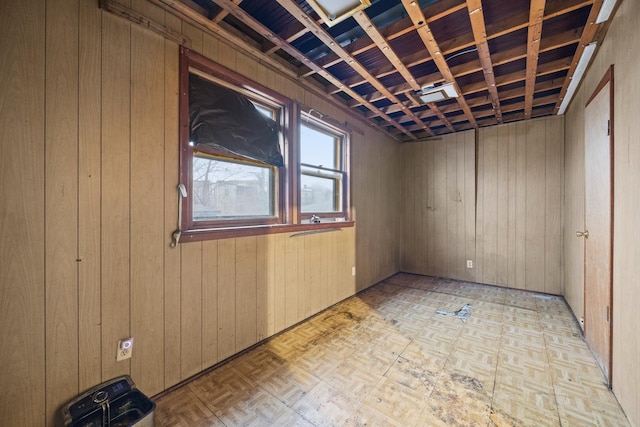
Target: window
229	189
323	184
238	175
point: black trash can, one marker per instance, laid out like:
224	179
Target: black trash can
115	403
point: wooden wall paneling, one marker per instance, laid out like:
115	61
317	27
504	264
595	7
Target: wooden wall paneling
470	197
61	204
427	204
147	240
502	205
195	35
535	206
278	263
361	204
209	46
209	303
347	259
490	204
115	250
554	138
521	203
439	254
461	206
512	220
248	67
323	270
335	260
89	183
226	298
264	287
308	282
246	293
416	205
408	202
149	10
191	310
621	39
227	56
479	265
351	261
311	257
22	263
452	201
171	274
294	246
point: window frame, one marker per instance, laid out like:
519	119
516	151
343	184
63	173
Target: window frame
287	177
343	149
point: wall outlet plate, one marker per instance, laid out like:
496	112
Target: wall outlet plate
469	263
125	349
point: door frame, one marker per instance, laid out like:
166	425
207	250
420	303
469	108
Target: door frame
607	78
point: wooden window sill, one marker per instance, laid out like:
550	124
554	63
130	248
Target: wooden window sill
233	232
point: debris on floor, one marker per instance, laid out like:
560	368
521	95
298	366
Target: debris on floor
462	314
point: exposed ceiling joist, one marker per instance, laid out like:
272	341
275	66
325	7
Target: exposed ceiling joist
506	62
240	14
533	47
480	34
419	21
294	9
369	27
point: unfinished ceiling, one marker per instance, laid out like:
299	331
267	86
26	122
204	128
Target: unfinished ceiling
507	60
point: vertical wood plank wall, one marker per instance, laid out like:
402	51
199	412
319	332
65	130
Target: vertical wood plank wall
519	219
438	233
622	38
88	202
511	228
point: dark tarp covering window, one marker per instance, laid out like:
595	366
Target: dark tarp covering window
220	118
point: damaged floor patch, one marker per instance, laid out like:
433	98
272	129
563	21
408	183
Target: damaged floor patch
462	314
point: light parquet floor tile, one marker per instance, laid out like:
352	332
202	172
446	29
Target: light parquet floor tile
385	358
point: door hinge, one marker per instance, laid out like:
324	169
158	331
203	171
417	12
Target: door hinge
607	313
608	127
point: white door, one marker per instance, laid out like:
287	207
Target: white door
598	224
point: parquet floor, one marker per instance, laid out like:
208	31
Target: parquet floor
385	358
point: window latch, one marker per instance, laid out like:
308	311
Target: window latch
315	219
182	193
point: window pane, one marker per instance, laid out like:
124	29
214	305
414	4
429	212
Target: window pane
227	190
265	111
320	193
318	148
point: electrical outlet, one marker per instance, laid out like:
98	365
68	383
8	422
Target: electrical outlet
469	263
353	271
125	348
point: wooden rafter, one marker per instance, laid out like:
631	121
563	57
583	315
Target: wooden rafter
294	9
223	13
496	84
287	69
536	13
374	34
419	21
514	54
448	47
476	15
437	11
240	14
588	35
378	39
